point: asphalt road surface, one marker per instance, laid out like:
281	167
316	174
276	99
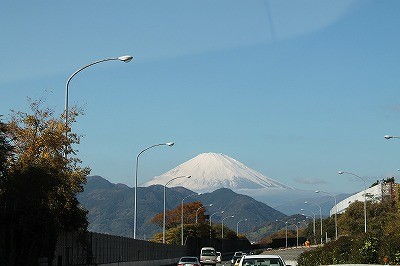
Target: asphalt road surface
288	255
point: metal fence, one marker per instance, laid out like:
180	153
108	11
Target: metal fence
102	248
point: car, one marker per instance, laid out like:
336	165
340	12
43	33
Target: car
236	256
219	256
189	261
237	262
257	260
208	256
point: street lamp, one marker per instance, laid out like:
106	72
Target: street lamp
320	215
125	58
336	225
391	137
365	195
165	190
286	227
315	239
237	226
222	233
170	144
196	194
221	212
197	211
297	234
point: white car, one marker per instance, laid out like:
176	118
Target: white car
218	256
258	260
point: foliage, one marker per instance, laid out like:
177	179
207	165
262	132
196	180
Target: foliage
38	185
199	229
173	217
354	246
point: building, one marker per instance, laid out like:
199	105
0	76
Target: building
384	190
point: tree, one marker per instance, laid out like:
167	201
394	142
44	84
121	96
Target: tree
173	217
40	179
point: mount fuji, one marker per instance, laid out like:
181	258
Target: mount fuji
211	171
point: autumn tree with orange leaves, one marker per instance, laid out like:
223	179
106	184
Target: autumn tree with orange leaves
173	217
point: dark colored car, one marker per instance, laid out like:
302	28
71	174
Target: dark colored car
189	261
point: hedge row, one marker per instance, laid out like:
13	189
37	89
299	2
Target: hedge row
365	249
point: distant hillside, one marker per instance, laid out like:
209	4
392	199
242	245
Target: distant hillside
111	207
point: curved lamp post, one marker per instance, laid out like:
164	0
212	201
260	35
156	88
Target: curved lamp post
237	226
365	195
336	226
170	144
125	58
221	212
165	189
286	227
222	232
391	137
201	207
196	194
315	239
320	215
297	233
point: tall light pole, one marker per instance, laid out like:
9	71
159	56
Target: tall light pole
201	207
237	226
222	232
221	212
196	194
125	58
165	192
286	227
285	231
315	239
336	226
320	216
170	144
365	196
391	137
297	234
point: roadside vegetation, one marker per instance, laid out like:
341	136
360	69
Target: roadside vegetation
380	245
40	177
191	228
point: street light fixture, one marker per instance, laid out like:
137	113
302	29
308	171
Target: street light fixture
165	190
237	226
365	195
221	212
169	144
336	225
320	215
315	239
125	58
391	137
286	227
222	233
196	194
197	211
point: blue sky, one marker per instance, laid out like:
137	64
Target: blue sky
296	90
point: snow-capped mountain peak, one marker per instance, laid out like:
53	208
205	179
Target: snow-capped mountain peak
211	171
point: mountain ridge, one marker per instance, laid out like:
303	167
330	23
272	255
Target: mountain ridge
110	207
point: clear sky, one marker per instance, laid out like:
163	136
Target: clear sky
296	90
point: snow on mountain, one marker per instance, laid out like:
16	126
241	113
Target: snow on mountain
210	171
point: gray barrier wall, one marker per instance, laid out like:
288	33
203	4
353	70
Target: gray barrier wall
107	249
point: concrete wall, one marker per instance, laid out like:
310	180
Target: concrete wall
107	249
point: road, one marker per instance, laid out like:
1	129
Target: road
288	255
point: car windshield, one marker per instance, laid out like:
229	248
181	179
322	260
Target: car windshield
188	259
208	252
260	261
